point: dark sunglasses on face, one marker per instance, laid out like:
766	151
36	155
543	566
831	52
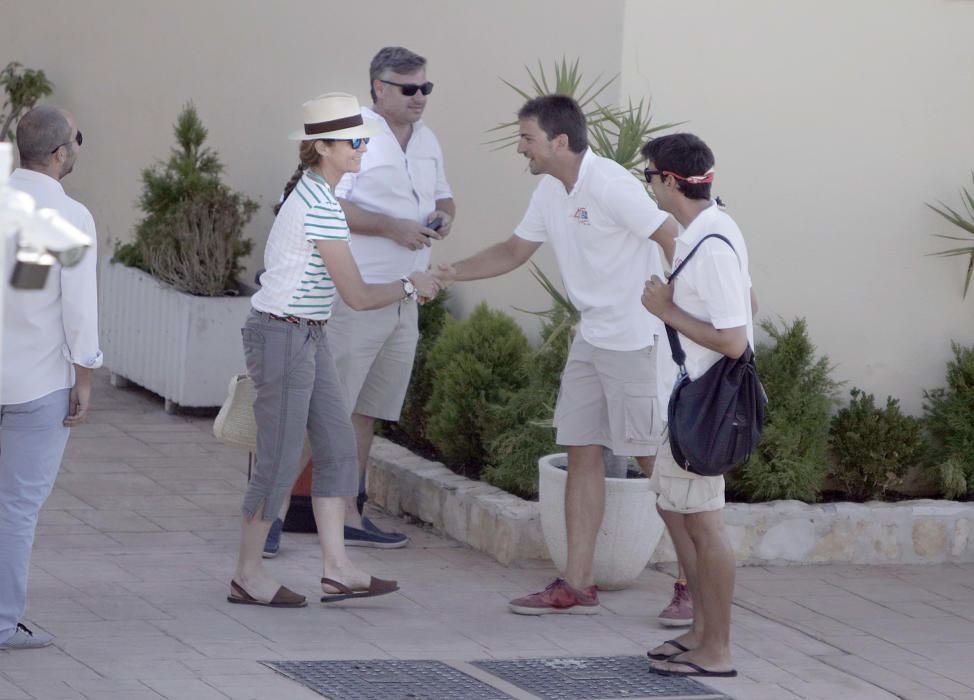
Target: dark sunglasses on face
409	89
355	143
648	174
77	138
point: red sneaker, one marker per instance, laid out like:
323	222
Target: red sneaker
559	597
679	613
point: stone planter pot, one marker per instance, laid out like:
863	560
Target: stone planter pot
183	347
631	527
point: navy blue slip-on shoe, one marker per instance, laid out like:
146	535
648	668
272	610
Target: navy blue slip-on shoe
354	537
273	544
372	527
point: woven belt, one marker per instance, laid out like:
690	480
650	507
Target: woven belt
294	320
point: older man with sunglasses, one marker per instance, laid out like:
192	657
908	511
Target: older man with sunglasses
50	346
397	206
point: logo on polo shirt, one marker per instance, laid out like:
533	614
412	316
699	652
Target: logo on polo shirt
581	216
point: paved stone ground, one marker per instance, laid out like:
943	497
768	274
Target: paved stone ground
136	546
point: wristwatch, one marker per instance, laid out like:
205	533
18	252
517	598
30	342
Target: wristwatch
408	288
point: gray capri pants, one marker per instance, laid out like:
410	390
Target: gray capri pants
297	389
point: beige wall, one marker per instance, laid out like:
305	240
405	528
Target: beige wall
831	128
125	68
832	124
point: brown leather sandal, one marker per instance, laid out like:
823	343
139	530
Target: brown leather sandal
284	598
377	586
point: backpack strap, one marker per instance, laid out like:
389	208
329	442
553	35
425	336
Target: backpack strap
676	349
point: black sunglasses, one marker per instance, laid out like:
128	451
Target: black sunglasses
356	143
77	137
409	89
648	174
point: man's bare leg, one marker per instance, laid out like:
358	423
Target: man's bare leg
686	555
584	507
713	592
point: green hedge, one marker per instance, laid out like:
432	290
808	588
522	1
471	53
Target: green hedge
873	447
473	364
950	420
790	461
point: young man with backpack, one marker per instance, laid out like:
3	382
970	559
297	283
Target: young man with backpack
710	306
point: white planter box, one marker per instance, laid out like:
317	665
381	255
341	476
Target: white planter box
631	527
184	348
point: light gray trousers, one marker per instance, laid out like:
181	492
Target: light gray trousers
32	441
298	390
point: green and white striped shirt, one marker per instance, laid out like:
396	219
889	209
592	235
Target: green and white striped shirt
296	281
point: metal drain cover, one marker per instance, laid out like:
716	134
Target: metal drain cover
386	680
593	677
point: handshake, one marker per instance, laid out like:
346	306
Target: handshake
428	284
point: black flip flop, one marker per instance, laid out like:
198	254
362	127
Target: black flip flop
377	586
697	671
667	657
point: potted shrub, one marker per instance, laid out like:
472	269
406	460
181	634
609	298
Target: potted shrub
631	528
171	303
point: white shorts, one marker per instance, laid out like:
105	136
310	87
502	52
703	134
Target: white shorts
680	491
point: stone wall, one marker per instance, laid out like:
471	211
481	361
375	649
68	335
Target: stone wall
781	532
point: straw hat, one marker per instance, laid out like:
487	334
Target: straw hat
334	115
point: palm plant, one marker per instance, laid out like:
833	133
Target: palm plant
561	316
567	81
621	133
617	133
965	222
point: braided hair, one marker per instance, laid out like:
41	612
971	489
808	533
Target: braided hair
307	157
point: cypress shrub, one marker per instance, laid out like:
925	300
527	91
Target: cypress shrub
873	446
411	428
950	421
520	425
790	461
473	364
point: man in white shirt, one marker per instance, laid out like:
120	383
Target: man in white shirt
602	226
710	304
50	346
391	205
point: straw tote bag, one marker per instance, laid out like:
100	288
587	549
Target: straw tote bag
235	424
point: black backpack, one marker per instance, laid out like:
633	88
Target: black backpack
715	421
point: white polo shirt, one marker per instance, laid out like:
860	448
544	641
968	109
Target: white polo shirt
600	234
400	184
715	286
48	331
296	281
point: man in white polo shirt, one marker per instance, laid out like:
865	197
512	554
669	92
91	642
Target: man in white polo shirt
602	225
710	304
397	206
50	346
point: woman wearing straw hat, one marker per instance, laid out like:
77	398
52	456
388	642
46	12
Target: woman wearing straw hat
285	340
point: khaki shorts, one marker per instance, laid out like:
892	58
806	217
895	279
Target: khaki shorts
374	352
608	397
680	491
